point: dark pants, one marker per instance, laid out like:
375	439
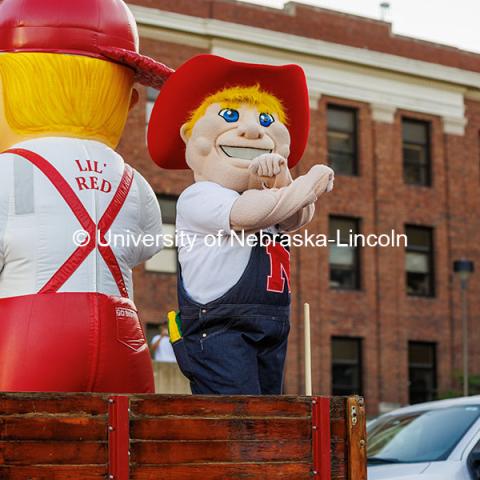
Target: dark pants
241	355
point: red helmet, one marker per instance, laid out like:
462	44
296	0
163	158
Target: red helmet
104	29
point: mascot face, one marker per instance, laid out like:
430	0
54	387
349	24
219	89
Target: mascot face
222	143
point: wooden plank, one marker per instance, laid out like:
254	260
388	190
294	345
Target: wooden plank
52	428
228	429
157	453
356	439
53	453
338	428
188	428
338	467
338	438
23	403
199	406
250	471
55	472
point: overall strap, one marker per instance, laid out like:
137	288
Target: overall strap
82	252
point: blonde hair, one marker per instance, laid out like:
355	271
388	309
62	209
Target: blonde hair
233	97
77	95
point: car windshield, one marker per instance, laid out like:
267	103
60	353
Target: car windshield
425	436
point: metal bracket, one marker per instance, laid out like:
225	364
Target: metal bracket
353	415
118	437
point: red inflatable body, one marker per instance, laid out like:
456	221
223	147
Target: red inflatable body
93	343
67	318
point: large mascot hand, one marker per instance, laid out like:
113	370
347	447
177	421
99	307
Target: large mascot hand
272	169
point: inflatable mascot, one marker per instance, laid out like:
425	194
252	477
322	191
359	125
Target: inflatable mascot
68	323
239	127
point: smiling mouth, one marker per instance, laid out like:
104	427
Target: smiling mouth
245	153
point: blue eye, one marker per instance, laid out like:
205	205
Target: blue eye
266	119
229	115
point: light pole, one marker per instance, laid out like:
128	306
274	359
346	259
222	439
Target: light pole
384	8
464	268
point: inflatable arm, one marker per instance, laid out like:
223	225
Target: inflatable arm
150	220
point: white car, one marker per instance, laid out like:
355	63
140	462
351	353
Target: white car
428	441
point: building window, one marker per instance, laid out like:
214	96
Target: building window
346	366
344	259
166	260
152	95
422	372
416	152
342	139
419	261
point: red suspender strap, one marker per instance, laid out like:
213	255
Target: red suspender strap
77	208
106	222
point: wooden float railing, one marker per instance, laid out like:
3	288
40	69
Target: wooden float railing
162	437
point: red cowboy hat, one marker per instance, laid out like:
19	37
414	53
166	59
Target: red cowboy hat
204	75
104	29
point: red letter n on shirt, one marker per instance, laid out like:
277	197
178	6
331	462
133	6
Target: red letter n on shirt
279	267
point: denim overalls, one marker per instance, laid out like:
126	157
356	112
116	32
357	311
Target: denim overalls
236	344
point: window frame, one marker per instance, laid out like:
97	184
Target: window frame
433	367
357	256
431	260
359	342
355	134
428	153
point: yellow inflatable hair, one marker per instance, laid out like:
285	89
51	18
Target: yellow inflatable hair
233	97
65	94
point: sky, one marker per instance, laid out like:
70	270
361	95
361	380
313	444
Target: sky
451	22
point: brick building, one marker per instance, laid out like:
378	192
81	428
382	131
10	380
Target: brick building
399	120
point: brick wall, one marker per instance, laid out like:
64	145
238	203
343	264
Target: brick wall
314	22
380	313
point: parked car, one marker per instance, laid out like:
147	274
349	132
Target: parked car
429	441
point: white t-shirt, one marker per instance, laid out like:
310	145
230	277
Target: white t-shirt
203	210
164	351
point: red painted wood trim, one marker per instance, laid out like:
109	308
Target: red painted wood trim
118	437
321	438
